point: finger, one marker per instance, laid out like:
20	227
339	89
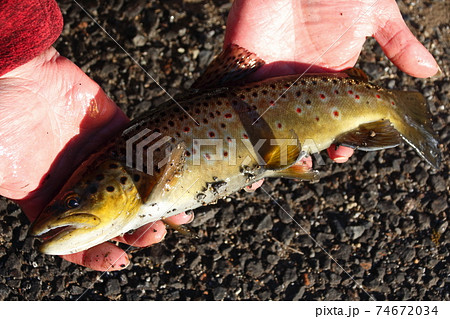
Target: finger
146	235
103	257
339	154
254	186
403	49
181	218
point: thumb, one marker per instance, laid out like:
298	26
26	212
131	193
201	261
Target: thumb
403	49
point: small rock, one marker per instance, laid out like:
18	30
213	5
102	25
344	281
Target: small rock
355	231
439	204
139	40
265	224
112	287
254	268
219	293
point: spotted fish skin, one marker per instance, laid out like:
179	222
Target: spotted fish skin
221	137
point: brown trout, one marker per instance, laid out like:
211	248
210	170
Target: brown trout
220	137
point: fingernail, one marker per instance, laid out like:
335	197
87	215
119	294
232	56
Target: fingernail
439	73
340	159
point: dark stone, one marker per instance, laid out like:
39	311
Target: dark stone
289	275
265	224
219	293
439	205
112	287
254	268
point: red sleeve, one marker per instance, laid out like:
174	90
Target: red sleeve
27	28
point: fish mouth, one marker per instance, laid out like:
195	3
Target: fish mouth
49	230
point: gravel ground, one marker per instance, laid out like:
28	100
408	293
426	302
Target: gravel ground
382	216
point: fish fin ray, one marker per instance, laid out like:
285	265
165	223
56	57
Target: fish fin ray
173	171
371	136
357	74
298	172
275	158
232	65
415	125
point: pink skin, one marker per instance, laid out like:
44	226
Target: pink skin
49	101
37	121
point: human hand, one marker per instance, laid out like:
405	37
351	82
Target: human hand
293	37
51	116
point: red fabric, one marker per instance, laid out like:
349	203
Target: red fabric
27	28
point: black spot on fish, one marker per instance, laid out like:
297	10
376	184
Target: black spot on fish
136	177
308	102
110	189
92	189
99	177
113	166
123	180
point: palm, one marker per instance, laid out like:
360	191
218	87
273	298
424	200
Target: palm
327	34
51	116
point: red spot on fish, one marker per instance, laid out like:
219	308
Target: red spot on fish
336	113
187	153
228	116
218	112
298	110
272	103
377	96
317	118
242	96
357	97
211	134
229	140
225	153
322	96
279	125
207	156
350	92
187	129
392	103
336	92
245	136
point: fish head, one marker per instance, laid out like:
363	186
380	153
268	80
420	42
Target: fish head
94	206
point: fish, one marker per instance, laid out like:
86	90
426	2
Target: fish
224	134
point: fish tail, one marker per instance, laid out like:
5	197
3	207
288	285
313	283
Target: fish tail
415	125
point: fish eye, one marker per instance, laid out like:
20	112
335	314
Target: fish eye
72	201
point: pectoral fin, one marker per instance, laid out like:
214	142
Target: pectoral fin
232	65
172	172
371	136
282	153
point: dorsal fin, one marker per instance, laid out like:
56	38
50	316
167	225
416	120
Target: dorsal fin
232	65
357	73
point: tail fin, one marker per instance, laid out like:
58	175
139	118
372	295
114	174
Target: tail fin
415	125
